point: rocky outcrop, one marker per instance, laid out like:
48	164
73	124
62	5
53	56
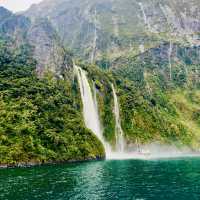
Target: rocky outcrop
13	26
4	14
93	27
48	50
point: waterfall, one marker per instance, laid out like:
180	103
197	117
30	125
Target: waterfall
146	21
90	107
115	26
94	45
169	59
141	48
92	122
120	143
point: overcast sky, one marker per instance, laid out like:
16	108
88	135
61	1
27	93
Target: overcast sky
17	5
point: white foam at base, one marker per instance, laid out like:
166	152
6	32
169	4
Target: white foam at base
155	151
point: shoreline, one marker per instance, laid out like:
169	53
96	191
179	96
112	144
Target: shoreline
38	164
32	164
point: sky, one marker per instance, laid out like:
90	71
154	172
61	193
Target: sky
18	5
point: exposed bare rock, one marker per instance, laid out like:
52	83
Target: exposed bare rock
115	26
48	50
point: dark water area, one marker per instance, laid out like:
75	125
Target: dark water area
125	179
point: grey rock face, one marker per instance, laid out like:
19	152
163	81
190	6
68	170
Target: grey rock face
48	50
4	14
93	27
13	26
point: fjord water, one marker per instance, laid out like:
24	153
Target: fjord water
105	180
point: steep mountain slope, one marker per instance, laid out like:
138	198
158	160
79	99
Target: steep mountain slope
4	14
40	119
148	50
48	50
169	86
174	64
93	27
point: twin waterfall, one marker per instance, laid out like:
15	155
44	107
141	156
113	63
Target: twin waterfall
90	110
91	115
120	143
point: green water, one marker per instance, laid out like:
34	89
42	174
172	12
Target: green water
131	179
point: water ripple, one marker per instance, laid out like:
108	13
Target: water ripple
124	180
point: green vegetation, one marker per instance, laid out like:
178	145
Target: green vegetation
40	119
102	81
150	102
149	110
156	77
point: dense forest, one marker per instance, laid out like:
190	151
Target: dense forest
40	119
154	70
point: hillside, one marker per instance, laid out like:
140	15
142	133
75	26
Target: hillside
92	27
146	52
40	119
48	49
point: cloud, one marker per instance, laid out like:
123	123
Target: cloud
18	5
